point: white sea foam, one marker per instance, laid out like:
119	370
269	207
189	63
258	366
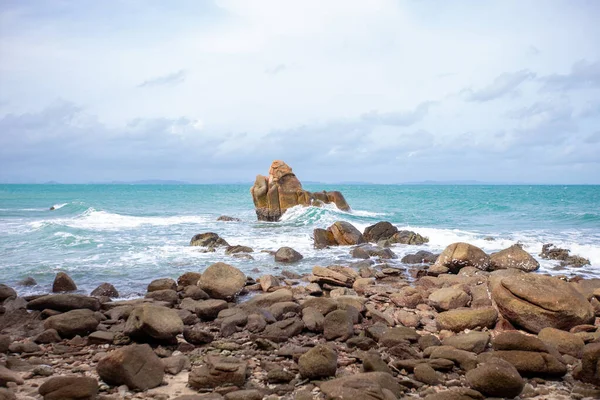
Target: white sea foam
59	206
93	219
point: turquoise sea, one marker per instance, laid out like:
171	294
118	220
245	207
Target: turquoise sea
130	234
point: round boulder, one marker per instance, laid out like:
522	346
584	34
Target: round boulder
105	289
222	281
345	234
318	362
287	255
154	322
135	366
162	284
514	257
496	378
380	231
63	283
459	255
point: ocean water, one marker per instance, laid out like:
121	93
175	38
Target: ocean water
129	235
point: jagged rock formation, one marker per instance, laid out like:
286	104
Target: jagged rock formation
281	190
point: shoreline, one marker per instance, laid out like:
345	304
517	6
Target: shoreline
339	331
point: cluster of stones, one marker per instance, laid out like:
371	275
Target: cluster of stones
467	326
273	195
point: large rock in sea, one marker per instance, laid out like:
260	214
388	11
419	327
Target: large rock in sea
281	190
534	302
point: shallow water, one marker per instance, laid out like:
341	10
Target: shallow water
131	234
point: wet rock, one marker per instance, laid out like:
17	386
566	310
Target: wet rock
63	283
72	323
218	371
209	240
237	249
420	257
319	362
323	238
338	325
529	363
461	319
197	335
6	292
64	302
564	342
380	231
409	237
534	302
475	342
589	370
29	281
364	386
69	388
551	252
136	366
105	289
227	218
345	234
150	322
514	257
449	298
222	281
460	255
287	255
366	251
496	378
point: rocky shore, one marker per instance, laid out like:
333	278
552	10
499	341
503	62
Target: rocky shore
460	325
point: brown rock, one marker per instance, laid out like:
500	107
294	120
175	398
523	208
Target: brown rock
64	302
135	366
197	335
338	325
534	302
63	283
281	190
222	281
408	297
105	289
363	386
165	295
218	371
449	298
71	323
426	374
281	331
319	362
459	255
287	255
189	279
380	231
465	359
209	240
149	322
518	341
589	370
496	378
529	363
461	319
6	292
514	257
162	284
456	394
323	238
409	237
345	234
69	388
475	342
6	375
564	342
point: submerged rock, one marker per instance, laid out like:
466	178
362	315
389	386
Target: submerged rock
551	252
208	239
281	190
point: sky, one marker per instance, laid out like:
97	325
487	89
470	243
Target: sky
383	91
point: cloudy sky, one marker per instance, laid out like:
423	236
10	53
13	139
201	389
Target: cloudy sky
343	90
